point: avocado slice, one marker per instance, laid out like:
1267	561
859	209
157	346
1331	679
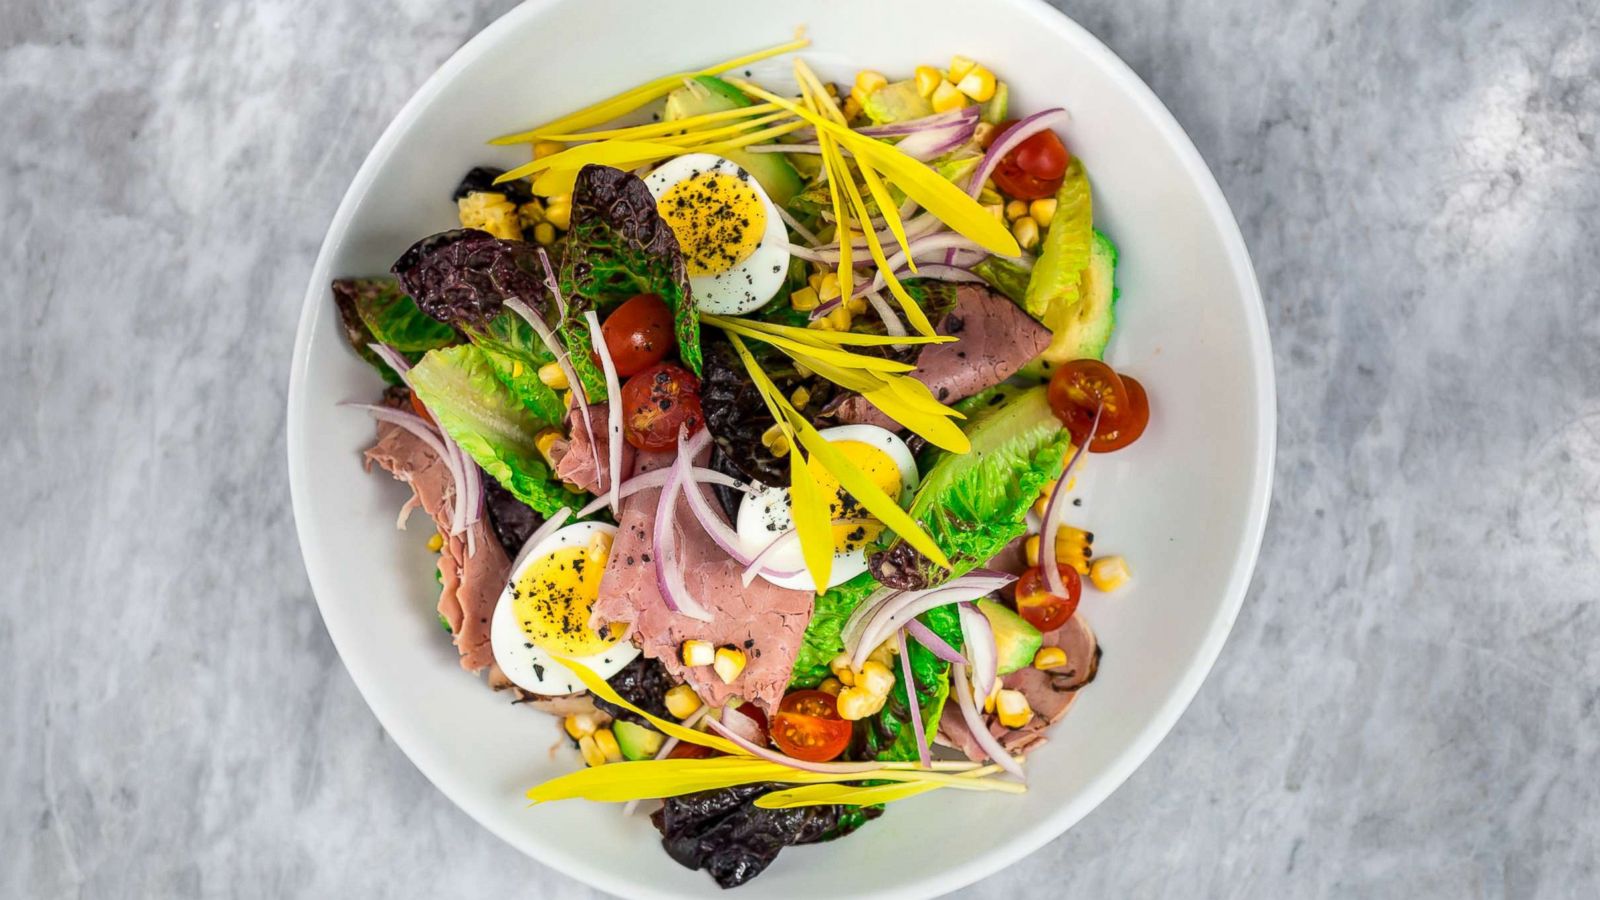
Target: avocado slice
638	742
1083	331
896	101
1015	640
709	94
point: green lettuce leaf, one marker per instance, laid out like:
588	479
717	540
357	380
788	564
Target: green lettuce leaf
1055	286
891	736
377	310
1006	277
462	391
821	642
619	246
516	354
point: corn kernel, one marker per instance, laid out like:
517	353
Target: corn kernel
998	210
1026	231
436	543
960	66
822	324
1049	658
544	441
542	149
868	81
1043	210
852	106
775	440
544	233
876	678
1030	548
607	744
839	318
840	666
558	211
800	397
682	701
1016	209
983	132
531	213
856	305
581	725
1109	573
490	211
828	286
553	376
831	686
977	84
599	548
592	754
988	702
804	299
698	653
729	663
856	703
927	78
1012	709
946	97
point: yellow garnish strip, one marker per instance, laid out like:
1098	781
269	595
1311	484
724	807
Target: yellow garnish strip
604	691
695	137
621	104
928	188
656	129
837	357
908	304
867	795
827	338
624	154
832	162
812	514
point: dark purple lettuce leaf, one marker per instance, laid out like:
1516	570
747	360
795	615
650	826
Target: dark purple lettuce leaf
723	831
481	181
644	683
463	277
513	521
376	310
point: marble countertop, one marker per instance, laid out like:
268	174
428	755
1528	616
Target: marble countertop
1406	708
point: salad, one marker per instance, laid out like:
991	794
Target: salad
748	417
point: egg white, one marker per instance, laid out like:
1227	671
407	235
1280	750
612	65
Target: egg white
752	283
529	667
765	514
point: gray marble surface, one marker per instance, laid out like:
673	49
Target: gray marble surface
1407	707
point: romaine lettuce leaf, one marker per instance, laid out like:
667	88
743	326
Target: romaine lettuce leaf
516	354
463	393
377	310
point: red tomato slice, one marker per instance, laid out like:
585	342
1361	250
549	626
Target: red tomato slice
1042	609
1081	386
807	726
638	333
656	401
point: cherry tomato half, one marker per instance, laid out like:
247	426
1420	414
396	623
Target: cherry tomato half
808	726
1042	609
656	401
638	333
1034	170
1082	385
686	750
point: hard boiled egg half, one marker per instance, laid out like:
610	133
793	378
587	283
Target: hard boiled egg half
765	515
544	613
733	241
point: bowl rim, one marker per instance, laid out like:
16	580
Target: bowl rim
1179	696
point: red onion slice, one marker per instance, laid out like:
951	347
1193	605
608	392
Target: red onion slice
550	526
1052	515
976	724
892	614
912	703
742	725
580	397
935	644
805	233
965	115
827	768
850	634
1010	139
614	398
658	478
978	635
925	145
710	519
669	569
892	325
758	566
437	441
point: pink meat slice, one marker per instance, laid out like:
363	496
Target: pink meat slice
584	464
472	581
1049	693
763	620
996	338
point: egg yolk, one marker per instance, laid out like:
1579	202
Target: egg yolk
553	599
876	465
718	218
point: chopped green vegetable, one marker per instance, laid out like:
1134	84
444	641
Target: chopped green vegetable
994	111
1006	277
1058	275
896	101
516	354
377	310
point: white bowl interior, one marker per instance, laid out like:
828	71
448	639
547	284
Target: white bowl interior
1186	505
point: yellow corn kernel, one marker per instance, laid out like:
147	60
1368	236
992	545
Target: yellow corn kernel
728	664
822	324
553	376
558	211
838	317
868	81
544	441
840	667
1109	573
998	210
698	653
1016	209
775	440
542	149
581	725
988	701
800	397
946	97
804	299
852	106
1030	548
876	678
856	305
977	84
592	754
1049	489
828	286
1012	709
607	744
927	78
544	233
682	701
982	132
1049	658
960	66
531	213
857	96
831	686
491	212
599	548
1043	210
856	703
1026	231
436	543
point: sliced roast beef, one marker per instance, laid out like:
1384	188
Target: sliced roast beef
763	620
996	338
1050	694
472	581
583	463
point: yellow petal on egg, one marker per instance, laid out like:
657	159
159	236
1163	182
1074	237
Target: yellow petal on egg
810	510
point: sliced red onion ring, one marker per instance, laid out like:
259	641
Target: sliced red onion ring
857	622
614	398
892	614
669	569
436	440
579	395
710	519
825	308
805	233
912	703
978	635
756	565
1010	139
551	283
393	358
975	723
935	644
925	145
754	749
550	526
1052	515
742	725
924	225
658	478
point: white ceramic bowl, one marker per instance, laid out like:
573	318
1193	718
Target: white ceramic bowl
1186	505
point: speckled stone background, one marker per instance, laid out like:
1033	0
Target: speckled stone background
1407	707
